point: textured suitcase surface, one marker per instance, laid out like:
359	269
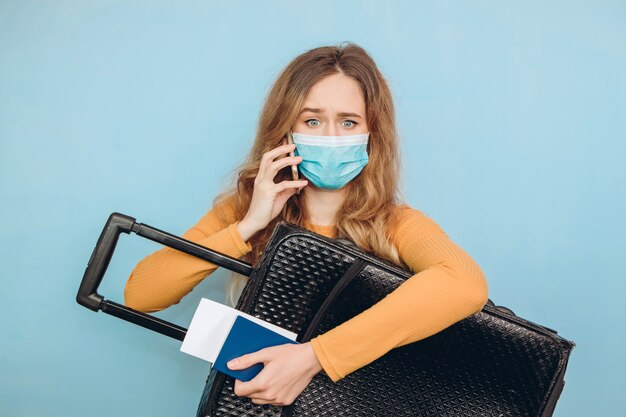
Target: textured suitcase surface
492	363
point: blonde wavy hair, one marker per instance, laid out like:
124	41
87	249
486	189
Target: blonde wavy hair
373	195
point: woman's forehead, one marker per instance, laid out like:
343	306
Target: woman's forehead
336	93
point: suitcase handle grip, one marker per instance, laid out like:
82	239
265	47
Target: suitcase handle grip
118	223
100	257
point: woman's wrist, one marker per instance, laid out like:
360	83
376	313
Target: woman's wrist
315	365
246	230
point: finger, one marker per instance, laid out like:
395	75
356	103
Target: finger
278	151
259	400
291	191
270	155
253	388
287	194
281	163
249	359
284	185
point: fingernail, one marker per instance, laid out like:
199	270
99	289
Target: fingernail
233	363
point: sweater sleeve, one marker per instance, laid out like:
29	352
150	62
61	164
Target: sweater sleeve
448	286
164	277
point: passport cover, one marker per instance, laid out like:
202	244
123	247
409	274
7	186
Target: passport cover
246	337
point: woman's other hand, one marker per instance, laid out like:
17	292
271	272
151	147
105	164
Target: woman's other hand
268	198
287	370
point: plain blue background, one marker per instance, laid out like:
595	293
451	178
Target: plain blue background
512	121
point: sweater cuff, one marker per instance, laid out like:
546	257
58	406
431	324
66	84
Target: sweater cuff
324	360
235	235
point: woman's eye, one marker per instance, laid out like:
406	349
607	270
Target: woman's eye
312	122
348	123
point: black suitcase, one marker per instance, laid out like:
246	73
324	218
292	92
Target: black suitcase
492	363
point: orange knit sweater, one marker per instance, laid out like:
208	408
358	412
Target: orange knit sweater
447	287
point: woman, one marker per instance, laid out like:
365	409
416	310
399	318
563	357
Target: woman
340	110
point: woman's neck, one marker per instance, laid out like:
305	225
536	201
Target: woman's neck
323	205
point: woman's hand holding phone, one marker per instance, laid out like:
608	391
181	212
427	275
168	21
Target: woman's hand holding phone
268	198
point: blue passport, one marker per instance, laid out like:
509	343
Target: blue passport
245	337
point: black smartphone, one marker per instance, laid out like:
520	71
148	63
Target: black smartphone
294	168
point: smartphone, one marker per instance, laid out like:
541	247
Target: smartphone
294	168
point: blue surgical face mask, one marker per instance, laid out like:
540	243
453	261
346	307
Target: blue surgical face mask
330	162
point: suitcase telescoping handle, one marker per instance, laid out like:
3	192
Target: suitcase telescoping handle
101	256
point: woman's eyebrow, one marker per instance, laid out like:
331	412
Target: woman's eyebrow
341	114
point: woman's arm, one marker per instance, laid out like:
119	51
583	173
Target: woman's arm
164	277
448	287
